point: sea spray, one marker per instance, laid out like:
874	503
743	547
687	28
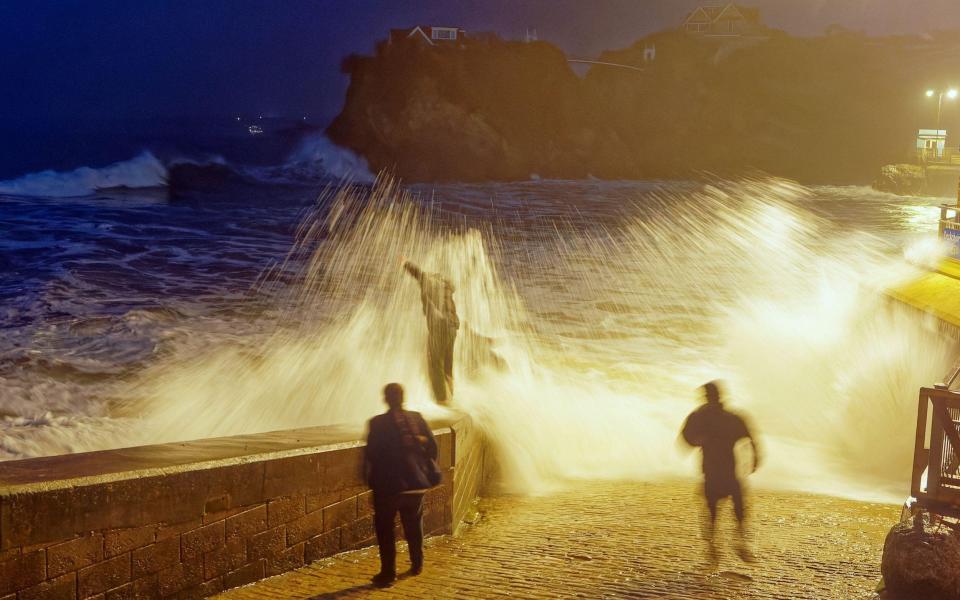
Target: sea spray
606	303
356	324
316	151
784	310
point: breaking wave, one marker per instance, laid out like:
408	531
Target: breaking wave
318	152
316	159
142	171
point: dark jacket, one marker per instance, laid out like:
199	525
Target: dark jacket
716	431
393	462
436	296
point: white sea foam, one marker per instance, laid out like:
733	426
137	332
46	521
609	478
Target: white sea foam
142	171
316	157
47	434
319	153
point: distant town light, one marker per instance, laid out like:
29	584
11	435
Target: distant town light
930	93
952	94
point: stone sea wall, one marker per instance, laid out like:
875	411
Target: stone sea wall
188	520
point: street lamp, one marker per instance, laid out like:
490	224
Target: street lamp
951	94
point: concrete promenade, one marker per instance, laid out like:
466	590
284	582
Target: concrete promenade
621	540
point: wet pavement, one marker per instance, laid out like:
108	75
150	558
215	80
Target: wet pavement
622	540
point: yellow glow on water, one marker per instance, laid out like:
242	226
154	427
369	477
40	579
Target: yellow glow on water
921	217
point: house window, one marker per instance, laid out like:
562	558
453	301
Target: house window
444	34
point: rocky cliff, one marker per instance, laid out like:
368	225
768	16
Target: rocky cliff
826	109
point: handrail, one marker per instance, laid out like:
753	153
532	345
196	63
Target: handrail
946	221
953	377
945	156
935	481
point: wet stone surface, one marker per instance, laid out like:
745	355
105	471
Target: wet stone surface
622	540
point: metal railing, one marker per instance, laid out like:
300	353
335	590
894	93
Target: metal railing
930	156
935	481
949	229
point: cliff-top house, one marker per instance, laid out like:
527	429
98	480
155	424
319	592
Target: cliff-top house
428	34
723	20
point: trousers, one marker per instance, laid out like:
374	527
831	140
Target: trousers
440	361
716	488
385	509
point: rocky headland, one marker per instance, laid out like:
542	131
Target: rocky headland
828	109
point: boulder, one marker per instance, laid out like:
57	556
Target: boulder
922	560
902	179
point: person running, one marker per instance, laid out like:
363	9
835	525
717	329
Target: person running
440	311
397	465
716	431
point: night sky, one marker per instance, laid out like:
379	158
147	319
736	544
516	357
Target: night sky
74	59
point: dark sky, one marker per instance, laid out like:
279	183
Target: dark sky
73	59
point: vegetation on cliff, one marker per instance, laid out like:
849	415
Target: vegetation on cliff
826	109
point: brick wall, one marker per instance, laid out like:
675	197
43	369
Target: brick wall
189	520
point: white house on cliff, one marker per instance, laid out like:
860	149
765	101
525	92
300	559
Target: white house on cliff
428	34
724	20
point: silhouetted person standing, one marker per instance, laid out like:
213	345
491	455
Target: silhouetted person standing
716	431
399	445
436	296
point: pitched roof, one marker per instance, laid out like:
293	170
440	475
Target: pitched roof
700	15
714	11
729	11
423	31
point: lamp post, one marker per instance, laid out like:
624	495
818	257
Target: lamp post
951	94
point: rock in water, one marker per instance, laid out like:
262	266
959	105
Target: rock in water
903	179
922	560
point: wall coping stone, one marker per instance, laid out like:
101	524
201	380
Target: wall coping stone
189	514
50	473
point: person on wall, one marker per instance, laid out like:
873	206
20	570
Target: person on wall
399	466
716	431
440	311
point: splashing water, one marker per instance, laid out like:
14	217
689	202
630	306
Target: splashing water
607	320
792	318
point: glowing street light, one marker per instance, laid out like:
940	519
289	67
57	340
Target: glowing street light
951	94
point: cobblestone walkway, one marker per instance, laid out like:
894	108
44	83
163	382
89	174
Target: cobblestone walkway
622	540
